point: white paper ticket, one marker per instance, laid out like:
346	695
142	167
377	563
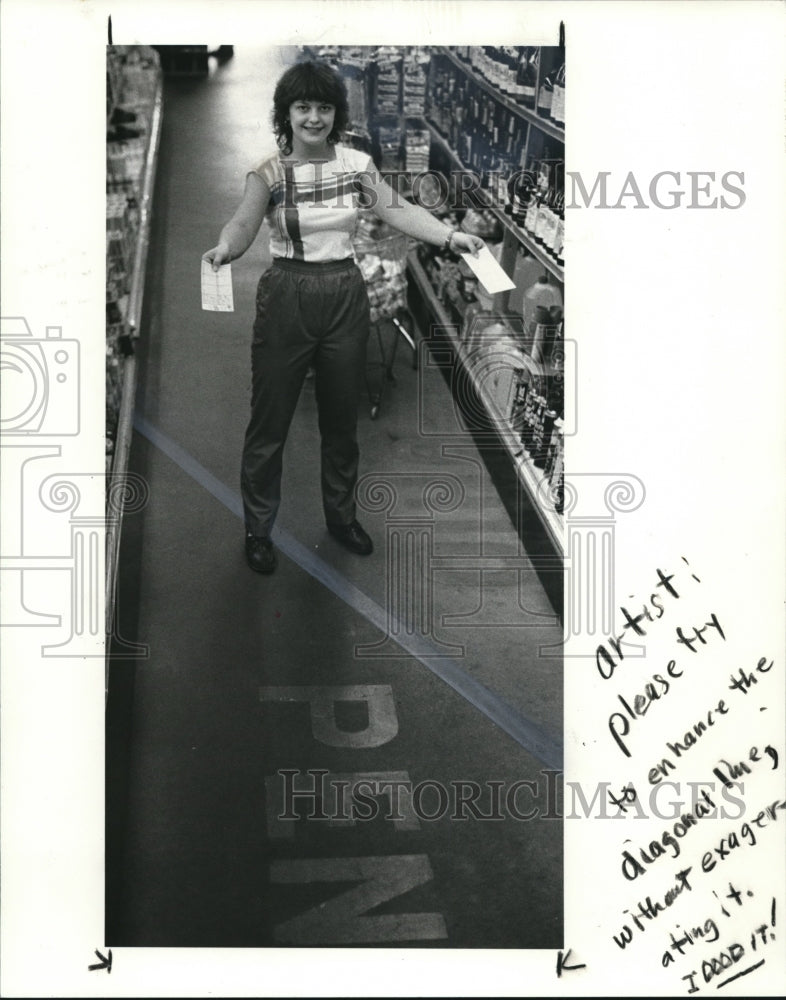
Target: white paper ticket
217	288
488	271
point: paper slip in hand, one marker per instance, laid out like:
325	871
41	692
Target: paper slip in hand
488	271
217	288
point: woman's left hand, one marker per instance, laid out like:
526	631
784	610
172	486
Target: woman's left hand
466	243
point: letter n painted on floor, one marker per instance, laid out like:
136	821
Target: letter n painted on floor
343	920
382	720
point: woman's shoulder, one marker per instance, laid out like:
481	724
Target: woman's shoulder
353	159
269	168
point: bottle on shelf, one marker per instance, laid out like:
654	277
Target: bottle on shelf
510	71
547	327
549	227
531	214
519	402
533	418
526	272
555	463
518	191
538	300
457	123
556	235
559	236
542	438
558	99
545	97
526	79
544	206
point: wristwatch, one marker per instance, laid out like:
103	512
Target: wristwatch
446	244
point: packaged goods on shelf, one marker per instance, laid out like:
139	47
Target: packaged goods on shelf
482	223
539	299
558	99
125	162
141	67
548	330
414	88
503	378
117	248
358	56
117	281
352	64
389	147
545	97
417	148
387	89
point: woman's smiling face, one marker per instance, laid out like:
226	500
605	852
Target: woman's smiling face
312	122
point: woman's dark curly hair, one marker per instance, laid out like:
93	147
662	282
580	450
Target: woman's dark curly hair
308	81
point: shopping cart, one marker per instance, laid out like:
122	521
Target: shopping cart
381	254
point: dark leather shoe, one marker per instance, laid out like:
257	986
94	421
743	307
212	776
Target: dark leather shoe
259	553
352	537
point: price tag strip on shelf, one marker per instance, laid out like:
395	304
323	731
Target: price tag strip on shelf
217	288
488	271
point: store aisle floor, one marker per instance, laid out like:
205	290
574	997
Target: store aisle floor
429	664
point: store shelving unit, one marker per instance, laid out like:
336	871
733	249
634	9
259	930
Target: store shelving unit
132	325
528	474
514	237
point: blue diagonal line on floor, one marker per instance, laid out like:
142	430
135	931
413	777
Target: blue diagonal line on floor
526	733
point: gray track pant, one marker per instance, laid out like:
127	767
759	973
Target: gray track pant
307	314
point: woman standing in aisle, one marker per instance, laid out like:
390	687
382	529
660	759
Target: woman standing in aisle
311	307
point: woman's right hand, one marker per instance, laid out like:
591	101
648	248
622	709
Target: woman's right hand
217	256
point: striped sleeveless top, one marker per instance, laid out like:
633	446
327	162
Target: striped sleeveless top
313	207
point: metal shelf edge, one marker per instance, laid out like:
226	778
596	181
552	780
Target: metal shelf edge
126	416
552	522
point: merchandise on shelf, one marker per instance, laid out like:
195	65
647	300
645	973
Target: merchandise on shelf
387	89
539	301
414	87
526	79
483	223
545	95
133	77
417	145
539	207
352	63
389	138
557	112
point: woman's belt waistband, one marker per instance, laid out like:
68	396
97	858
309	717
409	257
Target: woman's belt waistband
313	266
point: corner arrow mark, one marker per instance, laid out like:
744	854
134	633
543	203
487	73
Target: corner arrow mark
562	963
104	963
